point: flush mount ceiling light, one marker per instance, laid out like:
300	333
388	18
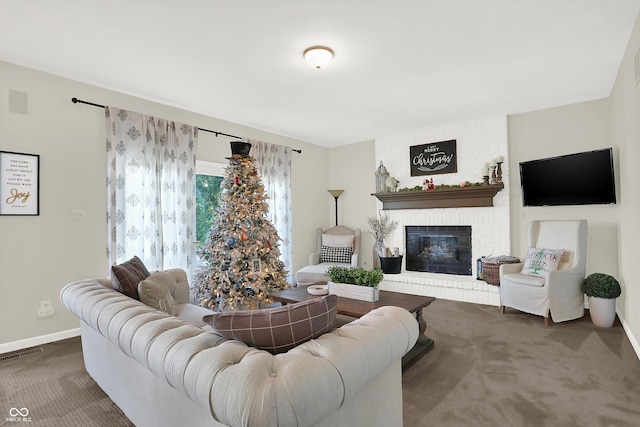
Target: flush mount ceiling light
318	57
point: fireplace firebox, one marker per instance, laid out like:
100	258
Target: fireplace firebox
444	249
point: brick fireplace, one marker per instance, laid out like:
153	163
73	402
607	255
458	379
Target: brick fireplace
478	141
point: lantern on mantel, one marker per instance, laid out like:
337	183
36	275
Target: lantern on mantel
381	178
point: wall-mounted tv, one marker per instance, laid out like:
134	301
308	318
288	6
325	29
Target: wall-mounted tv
574	179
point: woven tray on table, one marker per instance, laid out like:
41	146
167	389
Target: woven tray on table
491	268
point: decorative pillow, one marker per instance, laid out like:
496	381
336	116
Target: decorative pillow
155	291
336	254
540	261
338	240
126	276
278	329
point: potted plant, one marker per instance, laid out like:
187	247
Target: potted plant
602	290
356	283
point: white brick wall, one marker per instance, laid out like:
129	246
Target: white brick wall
478	141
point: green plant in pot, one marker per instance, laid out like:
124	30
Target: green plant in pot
355	276
602	290
355	283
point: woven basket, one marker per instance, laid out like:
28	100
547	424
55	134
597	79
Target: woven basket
491	273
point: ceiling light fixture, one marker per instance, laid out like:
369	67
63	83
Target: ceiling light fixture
318	57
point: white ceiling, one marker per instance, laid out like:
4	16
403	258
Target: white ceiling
399	65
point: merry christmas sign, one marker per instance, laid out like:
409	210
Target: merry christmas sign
434	158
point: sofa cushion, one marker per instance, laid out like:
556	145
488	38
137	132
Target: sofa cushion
338	240
126	276
336	254
523	279
540	262
157	291
278	329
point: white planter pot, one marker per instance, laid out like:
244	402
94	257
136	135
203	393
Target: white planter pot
363	293
603	311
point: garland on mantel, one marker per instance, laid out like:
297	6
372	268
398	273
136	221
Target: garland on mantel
420	188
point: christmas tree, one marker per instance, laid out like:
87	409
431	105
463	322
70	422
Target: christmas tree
241	254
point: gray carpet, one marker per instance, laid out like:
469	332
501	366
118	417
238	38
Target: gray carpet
486	369
489	368
56	390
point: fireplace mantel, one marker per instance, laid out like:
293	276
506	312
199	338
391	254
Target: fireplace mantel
454	197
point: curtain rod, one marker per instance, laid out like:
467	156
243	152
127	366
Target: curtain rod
216	133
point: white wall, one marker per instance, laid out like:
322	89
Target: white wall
565	130
40	254
352	168
625	120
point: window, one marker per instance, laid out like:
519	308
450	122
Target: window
208	178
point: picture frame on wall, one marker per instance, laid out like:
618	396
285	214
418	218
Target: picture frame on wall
19	183
433	158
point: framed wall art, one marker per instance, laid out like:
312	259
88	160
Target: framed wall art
19	183
434	158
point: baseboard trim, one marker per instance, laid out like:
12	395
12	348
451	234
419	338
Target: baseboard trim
39	340
627	329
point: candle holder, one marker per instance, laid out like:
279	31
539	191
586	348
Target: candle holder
493	178
485	180
499	172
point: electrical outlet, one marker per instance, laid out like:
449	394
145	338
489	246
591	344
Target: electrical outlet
46	309
78	214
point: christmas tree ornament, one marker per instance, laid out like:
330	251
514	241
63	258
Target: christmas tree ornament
244	236
240	148
231	241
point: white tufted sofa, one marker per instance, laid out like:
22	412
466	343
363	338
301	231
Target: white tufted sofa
163	370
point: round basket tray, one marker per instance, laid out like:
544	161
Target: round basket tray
318	289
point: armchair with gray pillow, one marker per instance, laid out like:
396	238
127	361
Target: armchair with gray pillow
336	246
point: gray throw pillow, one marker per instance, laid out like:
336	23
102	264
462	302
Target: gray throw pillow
156	291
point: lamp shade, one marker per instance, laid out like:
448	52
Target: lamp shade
318	56
335	193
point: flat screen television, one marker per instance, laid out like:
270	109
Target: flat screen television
574	179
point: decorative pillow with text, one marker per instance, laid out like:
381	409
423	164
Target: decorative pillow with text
540	262
155	291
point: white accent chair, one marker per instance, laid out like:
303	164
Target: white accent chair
315	271
559	294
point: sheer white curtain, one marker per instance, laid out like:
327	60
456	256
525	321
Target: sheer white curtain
151	189
274	166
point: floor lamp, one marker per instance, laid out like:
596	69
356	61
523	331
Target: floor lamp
336	194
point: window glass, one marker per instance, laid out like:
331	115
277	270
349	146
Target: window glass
208	178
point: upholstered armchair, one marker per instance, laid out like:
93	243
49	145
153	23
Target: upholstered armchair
336	246
549	282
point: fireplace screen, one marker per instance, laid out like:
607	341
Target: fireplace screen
439	249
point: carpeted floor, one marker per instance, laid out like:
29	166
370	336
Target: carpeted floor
490	369
55	389
486	369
